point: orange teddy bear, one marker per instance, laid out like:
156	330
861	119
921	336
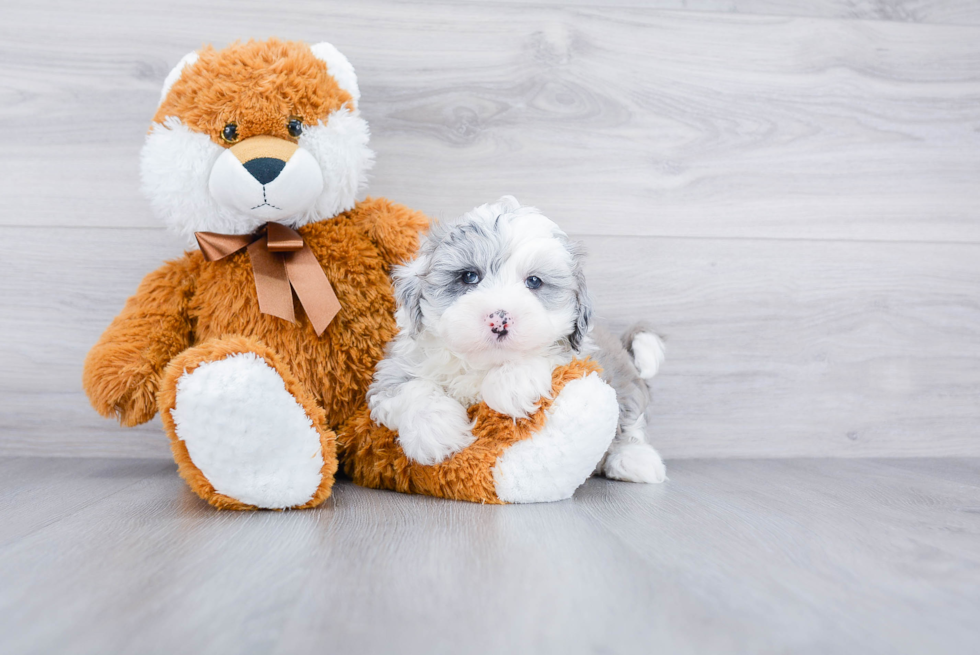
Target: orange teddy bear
257	347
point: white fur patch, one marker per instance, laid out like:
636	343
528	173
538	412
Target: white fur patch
175	73
648	354
557	460
634	462
431	426
516	388
339	68
247	433
175	166
340	147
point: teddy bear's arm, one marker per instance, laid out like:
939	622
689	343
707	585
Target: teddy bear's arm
392	227
123	370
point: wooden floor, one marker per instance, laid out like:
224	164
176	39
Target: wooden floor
728	556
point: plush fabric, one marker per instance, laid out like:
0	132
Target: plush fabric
247	402
189	301
222	86
370	454
253	404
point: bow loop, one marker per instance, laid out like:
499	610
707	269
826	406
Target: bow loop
216	246
283	239
280	260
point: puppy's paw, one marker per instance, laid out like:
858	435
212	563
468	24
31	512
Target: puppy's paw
634	462
515	389
433	432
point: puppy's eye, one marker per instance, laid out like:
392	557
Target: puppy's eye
469	277
230	133
295	127
533	282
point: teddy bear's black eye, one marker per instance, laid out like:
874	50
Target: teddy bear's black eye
295	127
230	133
470	277
533	282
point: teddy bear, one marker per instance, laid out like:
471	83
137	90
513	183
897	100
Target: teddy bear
257	346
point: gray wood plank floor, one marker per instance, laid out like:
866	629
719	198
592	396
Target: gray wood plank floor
732	556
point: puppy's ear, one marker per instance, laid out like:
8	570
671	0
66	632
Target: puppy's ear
408	292
583	301
583	323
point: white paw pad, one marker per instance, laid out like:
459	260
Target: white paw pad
247	434
553	463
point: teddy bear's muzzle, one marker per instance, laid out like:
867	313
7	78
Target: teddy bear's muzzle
267	178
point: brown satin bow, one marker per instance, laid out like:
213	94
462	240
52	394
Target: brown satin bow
280	259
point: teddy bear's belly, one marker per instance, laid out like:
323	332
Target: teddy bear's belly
336	367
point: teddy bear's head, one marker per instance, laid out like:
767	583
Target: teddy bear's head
257	132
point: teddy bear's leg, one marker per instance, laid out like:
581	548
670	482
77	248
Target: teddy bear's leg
244	431
558	458
544	457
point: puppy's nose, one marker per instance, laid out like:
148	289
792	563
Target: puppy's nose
265	169
499	322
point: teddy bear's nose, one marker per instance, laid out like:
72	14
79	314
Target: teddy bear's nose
264	169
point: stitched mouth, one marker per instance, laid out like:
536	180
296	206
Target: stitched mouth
265	202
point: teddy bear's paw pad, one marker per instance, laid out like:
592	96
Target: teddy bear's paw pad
247	434
634	462
553	463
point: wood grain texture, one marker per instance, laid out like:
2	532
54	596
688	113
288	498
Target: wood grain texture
954	12
803	348
805	193
618	120
775	348
50	321
732	556
39	492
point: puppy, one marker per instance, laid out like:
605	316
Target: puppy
491	305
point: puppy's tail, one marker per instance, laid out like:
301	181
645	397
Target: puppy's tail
646	348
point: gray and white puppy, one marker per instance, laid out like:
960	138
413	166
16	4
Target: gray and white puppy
491	305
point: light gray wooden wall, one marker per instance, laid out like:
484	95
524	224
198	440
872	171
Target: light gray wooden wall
789	191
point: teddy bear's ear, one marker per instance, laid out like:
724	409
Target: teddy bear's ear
338	67
174	74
